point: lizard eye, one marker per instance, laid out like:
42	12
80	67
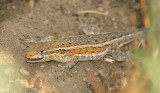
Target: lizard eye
41	52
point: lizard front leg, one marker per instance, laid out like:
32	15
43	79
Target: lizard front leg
69	59
70	64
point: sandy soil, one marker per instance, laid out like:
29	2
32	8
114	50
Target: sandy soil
59	18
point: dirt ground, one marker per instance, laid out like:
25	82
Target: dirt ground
59	18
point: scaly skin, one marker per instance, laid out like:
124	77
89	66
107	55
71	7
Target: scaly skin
72	49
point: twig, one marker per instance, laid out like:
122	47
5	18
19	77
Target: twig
91	12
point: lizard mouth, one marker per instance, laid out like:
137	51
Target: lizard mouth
34	59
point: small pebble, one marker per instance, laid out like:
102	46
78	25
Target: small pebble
42	66
100	9
106	12
24	72
46	22
13	7
85	79
31	15
113	19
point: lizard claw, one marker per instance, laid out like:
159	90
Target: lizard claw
109	60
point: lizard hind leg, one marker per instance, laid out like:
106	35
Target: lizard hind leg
45	39
91	29
117	54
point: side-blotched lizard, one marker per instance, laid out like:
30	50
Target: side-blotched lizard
72	49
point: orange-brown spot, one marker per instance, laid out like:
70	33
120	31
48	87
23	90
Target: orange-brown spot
72	51
64	51
83	50
58	51
84	43
69	50
53	46
94	42
61	45
89	49
67	45
73	44
77	51
101	49
98	49
77	43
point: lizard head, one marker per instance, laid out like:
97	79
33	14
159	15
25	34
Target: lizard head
36	53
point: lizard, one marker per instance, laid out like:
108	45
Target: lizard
72	49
